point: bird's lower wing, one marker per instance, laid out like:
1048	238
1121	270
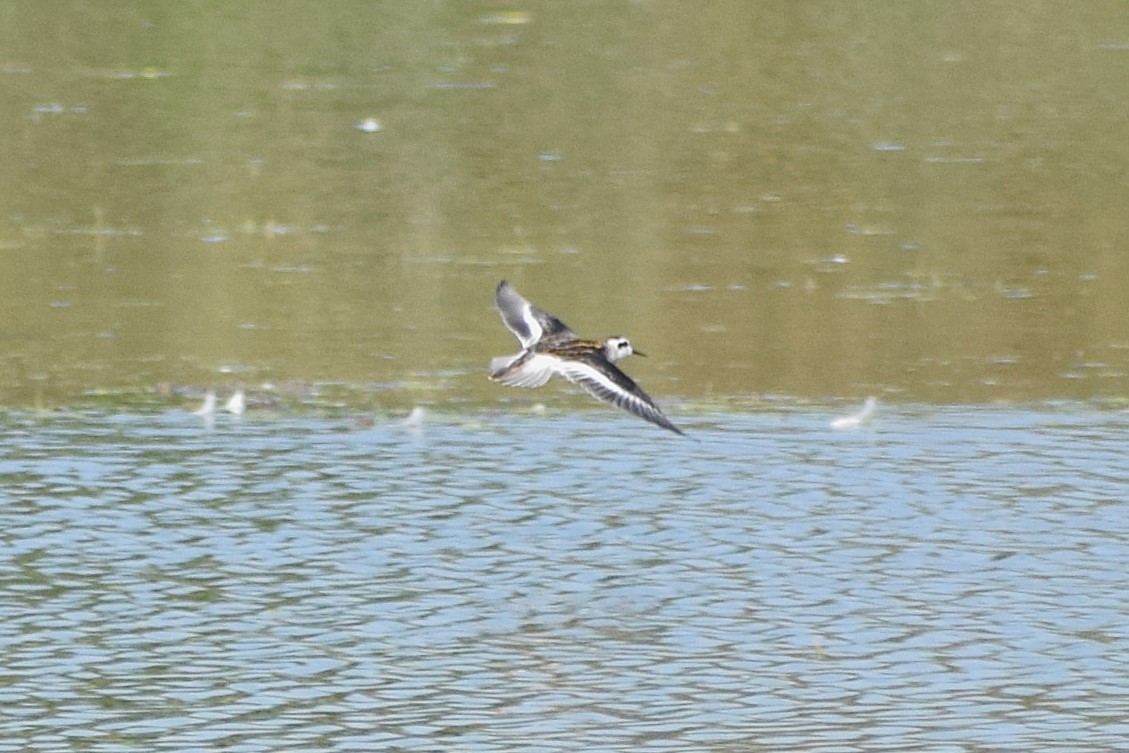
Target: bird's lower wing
610	384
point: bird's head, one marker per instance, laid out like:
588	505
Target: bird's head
616	348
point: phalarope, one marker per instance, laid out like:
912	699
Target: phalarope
549	347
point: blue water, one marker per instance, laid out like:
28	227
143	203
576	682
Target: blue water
944	580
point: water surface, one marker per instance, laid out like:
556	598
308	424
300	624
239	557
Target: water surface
944	580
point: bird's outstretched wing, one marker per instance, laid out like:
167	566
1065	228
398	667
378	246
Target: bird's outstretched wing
602	379
528	323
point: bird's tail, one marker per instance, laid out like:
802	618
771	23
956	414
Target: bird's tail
500	364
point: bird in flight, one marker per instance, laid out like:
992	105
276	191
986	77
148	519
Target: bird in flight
549	347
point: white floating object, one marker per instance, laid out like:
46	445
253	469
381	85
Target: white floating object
209	406
415	418
236	404
862	418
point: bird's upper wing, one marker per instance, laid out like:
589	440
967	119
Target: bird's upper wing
602	379
528	323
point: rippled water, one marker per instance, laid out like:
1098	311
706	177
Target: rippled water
953	580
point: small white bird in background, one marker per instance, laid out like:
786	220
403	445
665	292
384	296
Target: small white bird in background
414	420
856	420
236	404
208	409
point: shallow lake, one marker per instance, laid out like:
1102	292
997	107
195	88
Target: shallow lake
925	202
788	206
944	579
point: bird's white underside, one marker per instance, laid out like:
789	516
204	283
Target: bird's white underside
533	373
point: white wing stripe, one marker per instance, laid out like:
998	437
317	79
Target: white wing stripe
533	327
600	385
579	372
517	315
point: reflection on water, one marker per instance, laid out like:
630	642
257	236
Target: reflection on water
942	581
